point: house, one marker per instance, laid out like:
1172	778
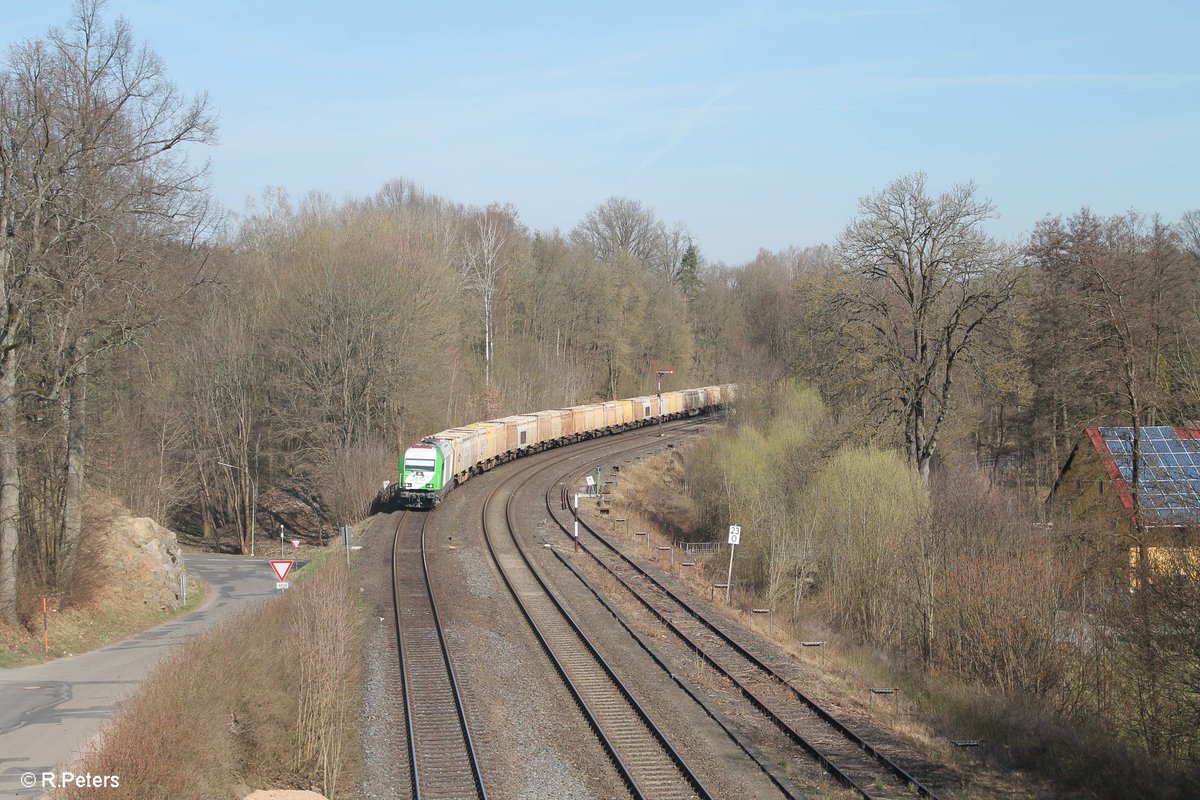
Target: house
1096	484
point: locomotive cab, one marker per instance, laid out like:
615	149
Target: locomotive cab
426	474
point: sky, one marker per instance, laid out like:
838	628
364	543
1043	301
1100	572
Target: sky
757	125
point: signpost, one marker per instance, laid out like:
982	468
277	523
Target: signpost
282	568
735	538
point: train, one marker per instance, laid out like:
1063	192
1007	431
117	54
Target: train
431	468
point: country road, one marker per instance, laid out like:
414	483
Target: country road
49	712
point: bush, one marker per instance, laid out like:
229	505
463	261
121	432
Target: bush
268	697
865	505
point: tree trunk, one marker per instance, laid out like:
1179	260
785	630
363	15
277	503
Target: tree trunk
10	488
75	416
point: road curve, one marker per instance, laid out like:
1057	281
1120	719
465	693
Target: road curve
49	712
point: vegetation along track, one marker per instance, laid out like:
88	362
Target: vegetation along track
441	755
842	752
649	765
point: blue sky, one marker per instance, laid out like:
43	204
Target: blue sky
756	125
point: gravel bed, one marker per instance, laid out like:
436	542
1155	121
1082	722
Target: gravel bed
384	773
724	768
480	582
532	740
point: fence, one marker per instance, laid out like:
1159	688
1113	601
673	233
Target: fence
699	548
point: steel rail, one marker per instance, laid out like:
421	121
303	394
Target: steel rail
428	679
558	658
768	673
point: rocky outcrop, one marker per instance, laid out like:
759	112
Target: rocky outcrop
143	559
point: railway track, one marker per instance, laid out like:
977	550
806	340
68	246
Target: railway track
442	758
810	727
649	765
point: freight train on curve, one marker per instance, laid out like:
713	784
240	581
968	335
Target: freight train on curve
438	463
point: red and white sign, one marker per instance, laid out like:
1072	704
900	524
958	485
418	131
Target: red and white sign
296	543
282	568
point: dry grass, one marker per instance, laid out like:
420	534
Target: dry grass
267	698
1028	752
110	617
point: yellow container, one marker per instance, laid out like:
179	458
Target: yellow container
549	425
642	407
465	444
491	439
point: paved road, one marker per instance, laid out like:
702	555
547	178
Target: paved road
48	712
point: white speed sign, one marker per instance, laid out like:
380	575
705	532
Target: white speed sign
735	534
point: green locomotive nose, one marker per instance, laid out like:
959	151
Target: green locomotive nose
422	468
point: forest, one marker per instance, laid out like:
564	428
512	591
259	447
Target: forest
911	389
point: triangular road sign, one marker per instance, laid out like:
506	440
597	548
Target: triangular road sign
282	568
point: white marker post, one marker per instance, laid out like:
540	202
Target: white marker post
735	538
577	516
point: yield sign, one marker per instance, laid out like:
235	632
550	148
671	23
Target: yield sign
282	568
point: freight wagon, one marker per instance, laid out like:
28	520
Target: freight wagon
435	465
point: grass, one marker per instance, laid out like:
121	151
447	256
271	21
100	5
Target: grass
269	697
78	630
1028	751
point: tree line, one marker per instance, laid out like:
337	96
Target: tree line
901	496
227	373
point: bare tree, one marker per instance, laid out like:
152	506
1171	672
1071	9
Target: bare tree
1189	233
929	278
620	226
25	114
129	204
487	255
91	198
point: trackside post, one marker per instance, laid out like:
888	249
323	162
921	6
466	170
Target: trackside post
735	538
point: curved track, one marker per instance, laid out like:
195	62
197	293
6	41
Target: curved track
648	763
441	755
843	753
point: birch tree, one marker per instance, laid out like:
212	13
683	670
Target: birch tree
487	255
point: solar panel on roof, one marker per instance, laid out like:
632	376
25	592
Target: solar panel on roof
1169	474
